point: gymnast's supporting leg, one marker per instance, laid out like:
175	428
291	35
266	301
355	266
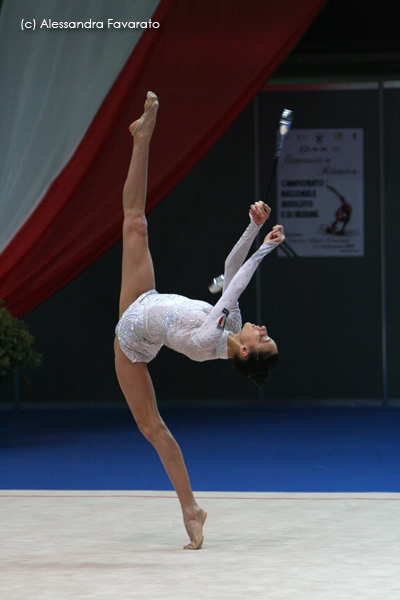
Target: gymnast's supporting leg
137	278
137	387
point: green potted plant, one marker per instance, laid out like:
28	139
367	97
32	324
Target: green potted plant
16	352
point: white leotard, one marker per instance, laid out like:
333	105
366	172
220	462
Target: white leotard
191	327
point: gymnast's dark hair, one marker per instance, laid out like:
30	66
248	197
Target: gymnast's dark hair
256	366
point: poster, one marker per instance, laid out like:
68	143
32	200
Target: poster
321	192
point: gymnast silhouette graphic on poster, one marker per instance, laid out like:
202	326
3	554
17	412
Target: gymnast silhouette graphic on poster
342	214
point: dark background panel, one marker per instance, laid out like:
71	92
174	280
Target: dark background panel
326	311
392	228
351	38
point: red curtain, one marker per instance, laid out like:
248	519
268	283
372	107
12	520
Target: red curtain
206	62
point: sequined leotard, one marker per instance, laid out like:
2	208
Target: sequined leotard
191	327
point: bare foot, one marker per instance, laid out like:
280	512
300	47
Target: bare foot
143	127
194	527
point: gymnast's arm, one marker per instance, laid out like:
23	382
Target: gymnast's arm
242	278
259	213
240	281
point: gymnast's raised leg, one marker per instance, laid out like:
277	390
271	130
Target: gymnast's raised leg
137	278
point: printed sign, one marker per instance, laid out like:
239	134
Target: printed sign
321	192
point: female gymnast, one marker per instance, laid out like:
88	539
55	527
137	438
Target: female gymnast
148	320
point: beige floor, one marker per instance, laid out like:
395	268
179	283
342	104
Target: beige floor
122	545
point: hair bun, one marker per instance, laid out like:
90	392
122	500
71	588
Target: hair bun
256	366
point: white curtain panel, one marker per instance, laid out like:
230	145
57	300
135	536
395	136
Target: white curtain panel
52	82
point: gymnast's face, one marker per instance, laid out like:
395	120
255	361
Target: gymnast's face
255	337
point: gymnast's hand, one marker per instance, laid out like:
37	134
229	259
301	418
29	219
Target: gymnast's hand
276	235
259	212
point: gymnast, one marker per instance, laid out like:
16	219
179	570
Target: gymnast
148	320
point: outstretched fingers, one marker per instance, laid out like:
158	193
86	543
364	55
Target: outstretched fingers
276	235
260	212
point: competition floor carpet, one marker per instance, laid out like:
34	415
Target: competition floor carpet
302	504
